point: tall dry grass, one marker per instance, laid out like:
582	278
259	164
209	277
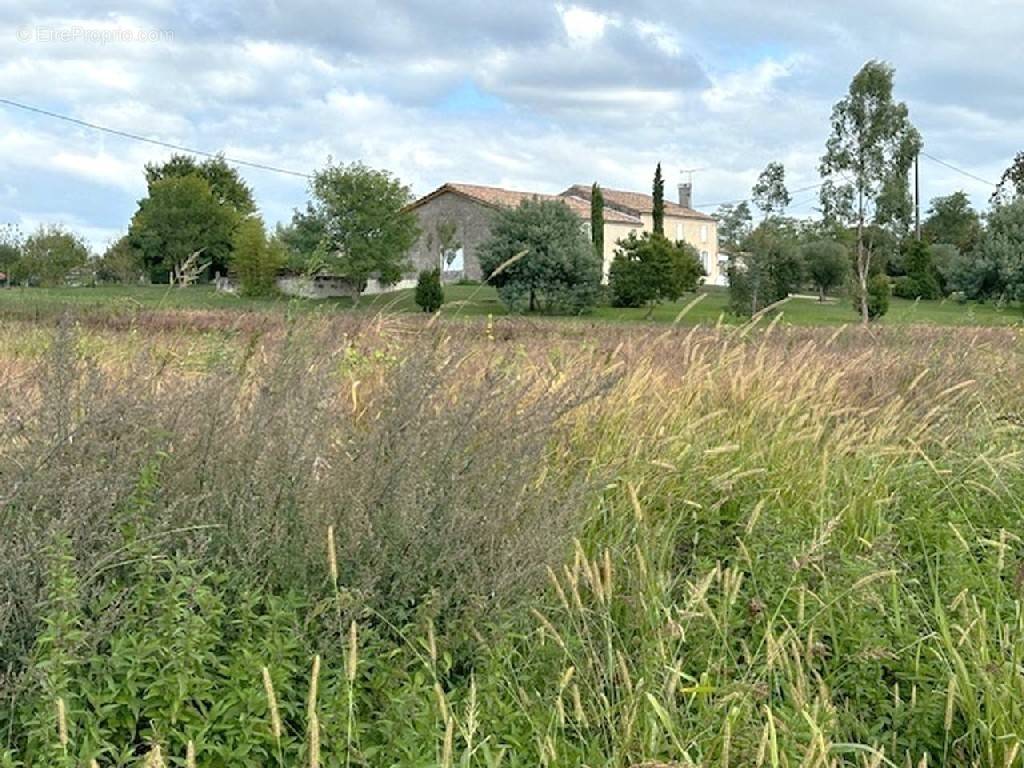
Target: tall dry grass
704	547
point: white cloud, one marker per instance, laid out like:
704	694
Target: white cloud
582	25
577	91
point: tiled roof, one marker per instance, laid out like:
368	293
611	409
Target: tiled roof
497	197
635	203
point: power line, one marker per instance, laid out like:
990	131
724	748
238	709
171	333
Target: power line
751	199
961	171
155	142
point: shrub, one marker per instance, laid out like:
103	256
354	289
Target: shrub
878	296
651	268
255	261
429	292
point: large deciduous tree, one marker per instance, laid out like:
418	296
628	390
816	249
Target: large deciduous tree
658	210
179	218
539	259
866	164
769	193
952	220
226	184
365	229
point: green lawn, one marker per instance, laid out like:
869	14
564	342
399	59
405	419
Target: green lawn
469	301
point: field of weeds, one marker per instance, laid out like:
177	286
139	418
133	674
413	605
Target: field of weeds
384	541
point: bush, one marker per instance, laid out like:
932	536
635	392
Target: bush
429	292
255	261
906	288
651	268
878	296
540	261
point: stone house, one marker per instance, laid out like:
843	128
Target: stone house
455	220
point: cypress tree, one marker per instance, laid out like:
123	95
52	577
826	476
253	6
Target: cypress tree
659	202
597	220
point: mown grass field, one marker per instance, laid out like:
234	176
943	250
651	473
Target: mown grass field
361	539
477	301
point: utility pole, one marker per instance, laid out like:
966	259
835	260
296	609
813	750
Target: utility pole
917	197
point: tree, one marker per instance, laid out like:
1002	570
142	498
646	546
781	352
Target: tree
120	263
826	264
922	278
178	219
766	271
1000	254
734	225
951	219
226	184
944	256
304	239
255	259
10	251
658	209
866	163
769	193
49	255
366	231
651	268
1011	184
429	292
597	220
539	259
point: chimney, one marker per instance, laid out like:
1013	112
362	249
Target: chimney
686	195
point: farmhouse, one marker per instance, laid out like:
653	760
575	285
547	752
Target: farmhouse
455	220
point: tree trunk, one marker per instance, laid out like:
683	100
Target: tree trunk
863	260
821	295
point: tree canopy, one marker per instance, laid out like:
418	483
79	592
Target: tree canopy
540	260
597	220
734	224
952	220
866	164
769	193
364	229
178	218
226	184
48	255
826	264
658	210
651	268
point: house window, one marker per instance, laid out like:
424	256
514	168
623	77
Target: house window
703	233
704	261
679	230
453	261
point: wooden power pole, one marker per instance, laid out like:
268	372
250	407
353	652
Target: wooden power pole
917	198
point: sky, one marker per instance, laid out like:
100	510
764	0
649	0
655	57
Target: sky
530	95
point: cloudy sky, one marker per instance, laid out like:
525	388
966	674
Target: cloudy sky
529	94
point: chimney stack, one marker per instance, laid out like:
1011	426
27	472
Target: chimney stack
686	195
